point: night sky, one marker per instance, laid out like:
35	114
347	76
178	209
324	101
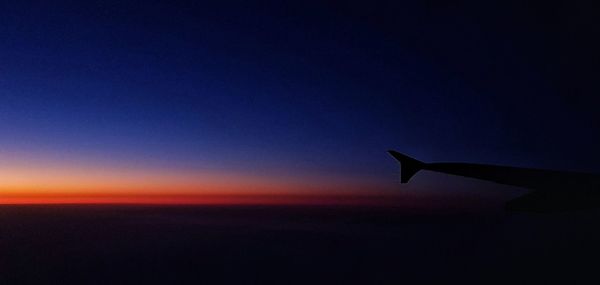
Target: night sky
236	97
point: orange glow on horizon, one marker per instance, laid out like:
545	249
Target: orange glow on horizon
38	183
242	199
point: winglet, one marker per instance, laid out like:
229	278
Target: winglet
408	165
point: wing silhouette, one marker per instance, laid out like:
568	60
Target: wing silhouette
552	190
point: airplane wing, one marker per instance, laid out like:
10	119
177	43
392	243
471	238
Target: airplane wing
553	190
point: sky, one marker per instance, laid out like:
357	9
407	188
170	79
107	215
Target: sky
237	97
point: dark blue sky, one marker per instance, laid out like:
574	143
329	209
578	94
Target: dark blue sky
319	88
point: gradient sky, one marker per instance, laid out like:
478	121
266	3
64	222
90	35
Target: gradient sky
238	97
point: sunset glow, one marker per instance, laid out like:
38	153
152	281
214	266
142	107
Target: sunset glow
45	182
